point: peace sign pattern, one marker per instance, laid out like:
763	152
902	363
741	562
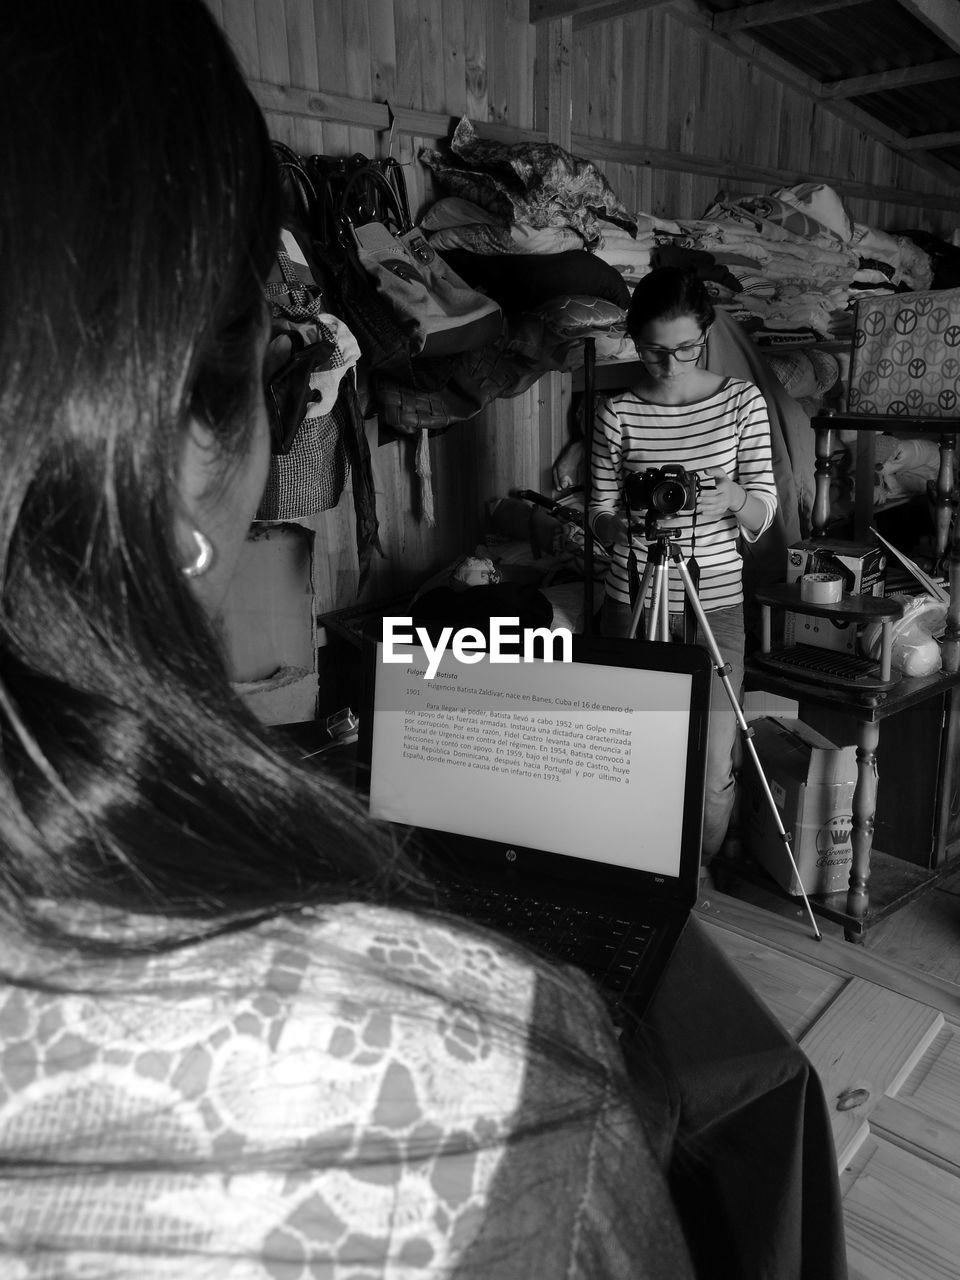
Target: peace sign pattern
906	355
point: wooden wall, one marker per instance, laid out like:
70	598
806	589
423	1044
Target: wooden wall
656	81
669	116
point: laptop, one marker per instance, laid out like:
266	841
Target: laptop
560	801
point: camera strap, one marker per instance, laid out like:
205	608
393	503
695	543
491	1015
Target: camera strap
689	616
633	575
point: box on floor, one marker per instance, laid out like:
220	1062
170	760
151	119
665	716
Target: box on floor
812	782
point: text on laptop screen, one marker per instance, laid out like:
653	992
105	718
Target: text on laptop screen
577	758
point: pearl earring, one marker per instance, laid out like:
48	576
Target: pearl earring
204	556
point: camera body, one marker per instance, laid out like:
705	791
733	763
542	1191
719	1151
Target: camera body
663	491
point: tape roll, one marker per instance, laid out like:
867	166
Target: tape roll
821	588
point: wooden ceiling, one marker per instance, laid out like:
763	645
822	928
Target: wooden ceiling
890	67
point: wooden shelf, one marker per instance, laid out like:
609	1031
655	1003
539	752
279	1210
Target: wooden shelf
851	608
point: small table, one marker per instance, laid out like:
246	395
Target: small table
867	708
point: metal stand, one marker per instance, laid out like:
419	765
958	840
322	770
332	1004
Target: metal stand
655	575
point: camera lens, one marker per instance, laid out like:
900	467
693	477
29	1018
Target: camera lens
669	497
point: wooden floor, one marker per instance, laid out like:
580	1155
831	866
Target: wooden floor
881	1023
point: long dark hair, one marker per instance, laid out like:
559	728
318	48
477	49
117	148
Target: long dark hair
667	293
139	214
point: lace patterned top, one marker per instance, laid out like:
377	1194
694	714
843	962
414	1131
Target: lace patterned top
328	1097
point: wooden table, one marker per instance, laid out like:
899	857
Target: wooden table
865	711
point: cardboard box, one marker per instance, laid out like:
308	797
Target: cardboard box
861	565
863	568
906	355
812	782
822	633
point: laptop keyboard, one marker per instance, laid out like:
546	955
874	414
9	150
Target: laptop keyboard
607	947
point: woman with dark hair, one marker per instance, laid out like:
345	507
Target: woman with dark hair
223	1052
680	414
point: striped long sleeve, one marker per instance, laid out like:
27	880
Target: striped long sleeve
729	429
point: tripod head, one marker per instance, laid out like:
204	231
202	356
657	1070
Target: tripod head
657	530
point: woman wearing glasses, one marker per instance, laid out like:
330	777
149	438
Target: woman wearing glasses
679	413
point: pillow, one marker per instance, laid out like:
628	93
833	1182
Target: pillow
575	316
818	201
804	373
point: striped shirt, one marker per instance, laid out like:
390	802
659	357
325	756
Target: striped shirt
729	429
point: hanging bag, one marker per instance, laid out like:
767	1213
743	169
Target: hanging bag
368	215
309	460
441	314
316	423
383	340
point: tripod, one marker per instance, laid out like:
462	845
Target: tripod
655	576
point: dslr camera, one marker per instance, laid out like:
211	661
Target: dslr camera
661	491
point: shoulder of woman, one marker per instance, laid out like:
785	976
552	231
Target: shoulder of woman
436	954
744	388
452	959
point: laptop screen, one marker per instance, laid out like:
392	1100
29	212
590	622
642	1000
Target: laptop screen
600	759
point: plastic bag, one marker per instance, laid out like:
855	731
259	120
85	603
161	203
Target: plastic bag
914	650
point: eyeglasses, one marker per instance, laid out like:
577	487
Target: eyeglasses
685	353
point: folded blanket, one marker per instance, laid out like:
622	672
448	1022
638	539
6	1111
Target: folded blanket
455	223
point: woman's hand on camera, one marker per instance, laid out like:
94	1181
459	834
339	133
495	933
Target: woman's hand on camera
726	495
611	528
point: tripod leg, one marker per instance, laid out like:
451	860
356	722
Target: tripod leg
645	581
659	628
722	668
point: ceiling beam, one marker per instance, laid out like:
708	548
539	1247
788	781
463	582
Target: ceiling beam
895	78
762	14
379	117
608	11
736	171
582	10
699	18
932	141
941	16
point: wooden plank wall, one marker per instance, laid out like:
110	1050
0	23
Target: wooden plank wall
644	80
473	56
653	80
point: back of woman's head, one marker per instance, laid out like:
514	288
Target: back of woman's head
139	215
667	293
